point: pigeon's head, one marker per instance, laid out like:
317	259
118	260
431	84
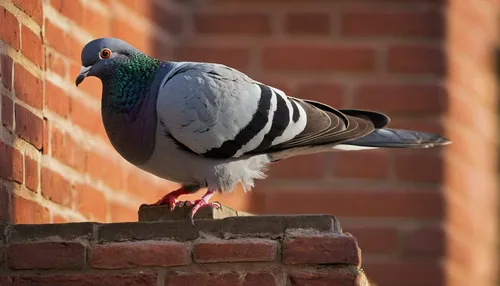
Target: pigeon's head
99	55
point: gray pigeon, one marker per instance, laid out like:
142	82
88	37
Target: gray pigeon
209	125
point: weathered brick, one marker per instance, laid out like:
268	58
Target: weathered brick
12	168
6	280
46	255
56	99
240	23
345	276
320	249
308	23
31	173
6	67
56	64
37	232
32	47
10	29
427	24
27	211
28	87
138	254
235	250
261	279
55	187
90	202
33	8
7	113
416	59
46	135
307	57
5	202
91	279
210	278
236	57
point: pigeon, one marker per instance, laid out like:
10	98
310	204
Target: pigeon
207	125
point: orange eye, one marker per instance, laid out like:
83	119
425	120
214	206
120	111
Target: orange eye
105	53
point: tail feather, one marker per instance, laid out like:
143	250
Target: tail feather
398	138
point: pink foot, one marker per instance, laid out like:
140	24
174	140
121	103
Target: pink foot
170	199
203	202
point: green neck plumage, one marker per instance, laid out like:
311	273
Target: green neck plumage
126	86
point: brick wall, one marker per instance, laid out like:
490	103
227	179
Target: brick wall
425	63
274	251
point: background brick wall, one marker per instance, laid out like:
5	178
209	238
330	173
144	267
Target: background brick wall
426	63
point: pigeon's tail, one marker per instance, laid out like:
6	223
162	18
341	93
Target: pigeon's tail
398	138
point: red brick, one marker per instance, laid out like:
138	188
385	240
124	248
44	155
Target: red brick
235	57
96	23
29	127
56	99
27	212
55	187
87	118
45	147
28	87
416	59
375	164
427	24
394	273
320	58
6	67
120	213
70	9
63	43
308	23
6	280
418	166
46	255
234	23
361	202
327	93
425	242
10	29
90	202
59	219
206	279
335	276
234	251
169	20
5	202
56	64
261	279
321	249
375	240
12	168
90	279
300	167
32	47
101	168
138	254
65	149
31	172
122	28
33	8
401	98
7	113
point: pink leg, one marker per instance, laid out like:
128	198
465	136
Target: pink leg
171	198
203	202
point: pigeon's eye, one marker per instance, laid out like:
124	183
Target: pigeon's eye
105	53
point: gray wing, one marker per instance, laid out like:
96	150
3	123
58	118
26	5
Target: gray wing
219	112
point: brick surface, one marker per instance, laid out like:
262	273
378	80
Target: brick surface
132	279
240	24
234	251
375	239
28	211
28	87
261	279
376	164
31	173
307	23
32	47
325	92
319	58
56	99
29	126
5	199
207	279
340	277
137	254
101	168
235	57
7	113
56	64
321	250
6	67
10	31
425	242
13	163
418	166
90	202
32	8
413	59
55	187
46	255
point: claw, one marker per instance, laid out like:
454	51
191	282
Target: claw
170	199
203	202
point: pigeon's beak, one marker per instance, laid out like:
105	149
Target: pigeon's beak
83	73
